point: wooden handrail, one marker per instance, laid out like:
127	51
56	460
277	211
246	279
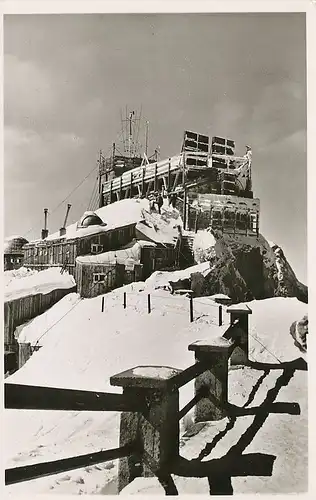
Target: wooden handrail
26	397
28	472
153	397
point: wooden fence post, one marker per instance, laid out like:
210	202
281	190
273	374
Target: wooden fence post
24	352
148	304
156	428
240	312
102	304
124	300
214	354
191	308
220	315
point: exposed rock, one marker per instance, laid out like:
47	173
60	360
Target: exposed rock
299	332
245	268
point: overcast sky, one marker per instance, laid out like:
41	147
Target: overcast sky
66	78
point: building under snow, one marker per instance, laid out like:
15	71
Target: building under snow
111	246
13	252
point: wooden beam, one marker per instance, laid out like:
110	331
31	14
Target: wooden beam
176	178
143	181
27	397
148	188
155	178
131	186
187	375
28	472
169	173
111	184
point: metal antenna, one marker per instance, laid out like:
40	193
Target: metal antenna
146	138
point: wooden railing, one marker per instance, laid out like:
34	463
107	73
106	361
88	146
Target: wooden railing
153	171
150	414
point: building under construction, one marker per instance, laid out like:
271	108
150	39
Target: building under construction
209	183
212	184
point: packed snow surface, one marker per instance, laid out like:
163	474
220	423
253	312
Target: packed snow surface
83	347
22	283
162	372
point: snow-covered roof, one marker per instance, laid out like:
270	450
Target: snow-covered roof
220	296
158	228
118	214
37	282
13	244
113	256
163	278
120	256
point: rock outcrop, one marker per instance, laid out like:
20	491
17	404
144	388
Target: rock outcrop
299	332
245	268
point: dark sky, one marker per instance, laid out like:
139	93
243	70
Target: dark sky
66	78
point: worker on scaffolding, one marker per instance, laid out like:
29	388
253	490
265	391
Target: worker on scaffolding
159	201
248	153
173	199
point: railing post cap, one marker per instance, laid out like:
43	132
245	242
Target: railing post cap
217	344
239	308
150	377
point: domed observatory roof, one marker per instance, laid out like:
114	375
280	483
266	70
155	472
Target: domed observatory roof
90	219
14	244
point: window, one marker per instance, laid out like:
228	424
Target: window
96	248
98	277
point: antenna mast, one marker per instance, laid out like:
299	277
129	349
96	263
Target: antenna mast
146	138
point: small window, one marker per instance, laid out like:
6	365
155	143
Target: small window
96	248
98	277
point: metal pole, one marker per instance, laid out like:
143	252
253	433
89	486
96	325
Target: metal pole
45	218
124	300
146	138
102	305
148	304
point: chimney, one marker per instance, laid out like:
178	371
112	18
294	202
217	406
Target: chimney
62	230
45	230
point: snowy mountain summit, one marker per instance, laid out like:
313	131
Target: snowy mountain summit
245	267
